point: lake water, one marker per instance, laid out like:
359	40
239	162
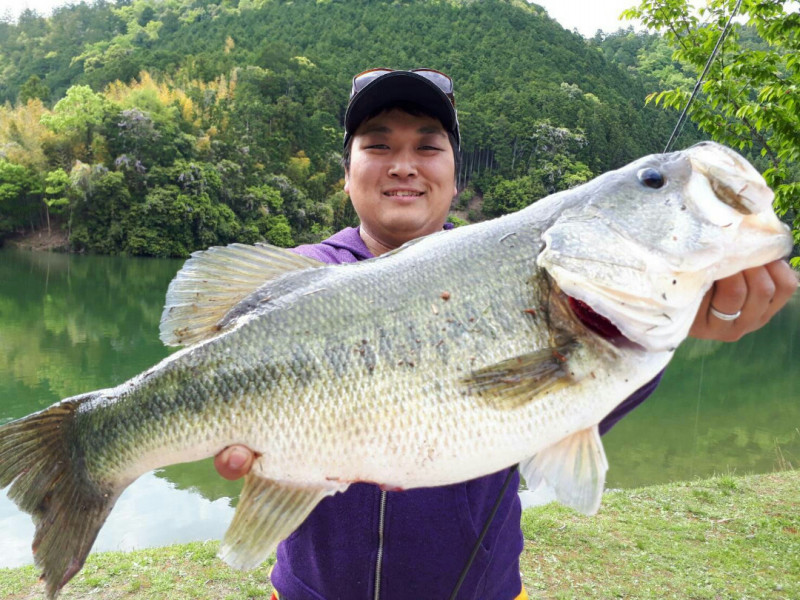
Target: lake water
69	324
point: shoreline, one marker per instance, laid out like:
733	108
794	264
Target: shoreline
40	241
723	537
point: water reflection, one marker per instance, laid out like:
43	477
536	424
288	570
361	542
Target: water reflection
722	408
146	510
69	324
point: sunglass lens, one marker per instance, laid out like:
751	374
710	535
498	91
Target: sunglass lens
442	81
361	80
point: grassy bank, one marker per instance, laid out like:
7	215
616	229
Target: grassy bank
727	537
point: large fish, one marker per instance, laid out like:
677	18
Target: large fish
459	354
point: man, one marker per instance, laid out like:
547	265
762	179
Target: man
401	147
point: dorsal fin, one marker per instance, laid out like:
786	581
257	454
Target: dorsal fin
215	280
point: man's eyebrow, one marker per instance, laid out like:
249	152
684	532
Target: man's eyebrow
431	129
375	129
425	129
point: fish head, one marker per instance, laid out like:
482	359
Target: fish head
641	245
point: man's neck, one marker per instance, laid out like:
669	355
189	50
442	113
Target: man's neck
373	245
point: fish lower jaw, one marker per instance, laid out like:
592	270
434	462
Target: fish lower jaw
644	329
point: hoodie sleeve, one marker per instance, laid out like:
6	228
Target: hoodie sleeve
629	404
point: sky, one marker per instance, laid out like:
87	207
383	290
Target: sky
587	16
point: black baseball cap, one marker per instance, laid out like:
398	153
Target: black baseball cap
378	88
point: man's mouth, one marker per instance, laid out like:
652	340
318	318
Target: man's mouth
402	194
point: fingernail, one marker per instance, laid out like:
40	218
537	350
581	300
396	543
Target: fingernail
237	459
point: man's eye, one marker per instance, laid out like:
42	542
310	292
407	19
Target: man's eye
430	147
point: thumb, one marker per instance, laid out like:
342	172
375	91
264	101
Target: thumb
234	462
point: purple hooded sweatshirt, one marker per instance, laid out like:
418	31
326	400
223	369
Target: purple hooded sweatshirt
410	544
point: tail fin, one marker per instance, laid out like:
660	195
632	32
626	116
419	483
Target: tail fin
49	481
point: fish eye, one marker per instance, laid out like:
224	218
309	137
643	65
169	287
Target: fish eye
651	178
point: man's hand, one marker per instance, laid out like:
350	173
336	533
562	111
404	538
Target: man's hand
234	462
758	293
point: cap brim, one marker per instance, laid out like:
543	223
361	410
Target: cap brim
397	87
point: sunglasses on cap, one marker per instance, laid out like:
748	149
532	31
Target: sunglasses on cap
439	79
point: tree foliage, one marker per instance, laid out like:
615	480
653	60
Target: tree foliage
183	124
751	96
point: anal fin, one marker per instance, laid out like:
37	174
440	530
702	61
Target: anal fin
575	468
268	512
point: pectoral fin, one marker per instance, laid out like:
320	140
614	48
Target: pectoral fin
575	468
268	512
516	381
213	281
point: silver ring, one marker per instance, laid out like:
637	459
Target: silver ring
725	316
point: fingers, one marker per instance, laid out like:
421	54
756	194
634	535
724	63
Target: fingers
755	295
730	294
786	284
234	462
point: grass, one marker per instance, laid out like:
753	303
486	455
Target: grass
722	538
726	537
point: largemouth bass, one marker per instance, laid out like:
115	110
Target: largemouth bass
458	355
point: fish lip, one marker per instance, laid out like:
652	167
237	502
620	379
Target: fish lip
735	181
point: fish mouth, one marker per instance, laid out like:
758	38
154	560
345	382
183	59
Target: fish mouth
736	183
593	320
731	194
572	312
600	325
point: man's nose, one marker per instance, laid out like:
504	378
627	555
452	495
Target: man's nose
404	164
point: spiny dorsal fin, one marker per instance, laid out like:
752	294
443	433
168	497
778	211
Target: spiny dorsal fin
215	280
516	381
575	468
268	512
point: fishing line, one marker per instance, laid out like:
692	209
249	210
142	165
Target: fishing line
697	411
485	530
679	124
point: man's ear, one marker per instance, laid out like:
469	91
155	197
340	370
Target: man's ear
346	182
455	190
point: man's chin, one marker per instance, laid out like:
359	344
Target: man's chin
405	230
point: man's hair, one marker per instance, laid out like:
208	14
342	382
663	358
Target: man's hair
414	110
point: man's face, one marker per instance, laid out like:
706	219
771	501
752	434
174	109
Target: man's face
401	178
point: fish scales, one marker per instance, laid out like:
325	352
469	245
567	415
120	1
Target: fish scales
450	358
289	356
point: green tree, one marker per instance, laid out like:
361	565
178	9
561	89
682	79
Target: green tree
78	116
32	89
507	196
101	201
279	233
751	96
19	197
57	184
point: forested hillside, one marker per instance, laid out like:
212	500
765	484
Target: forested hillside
160	127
